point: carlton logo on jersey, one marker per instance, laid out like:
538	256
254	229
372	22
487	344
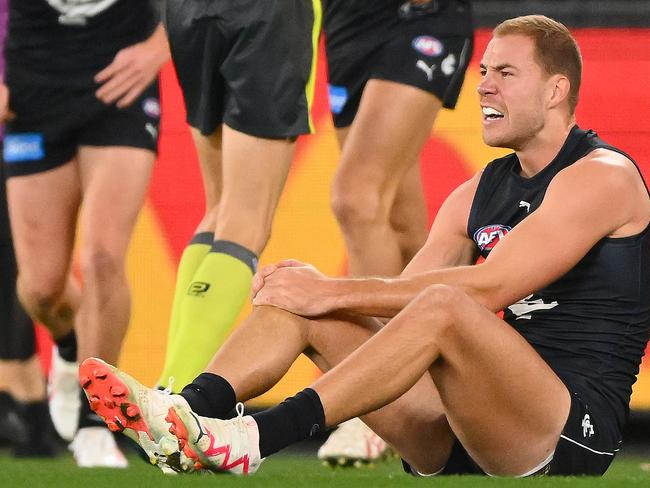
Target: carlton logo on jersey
489	236
75	12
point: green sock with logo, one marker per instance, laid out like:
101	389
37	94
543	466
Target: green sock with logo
208	310
192	257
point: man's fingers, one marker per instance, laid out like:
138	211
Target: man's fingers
290	263
267	270
115	67
258	283
131	95
118	86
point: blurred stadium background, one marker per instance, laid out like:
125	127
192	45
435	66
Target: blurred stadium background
615	40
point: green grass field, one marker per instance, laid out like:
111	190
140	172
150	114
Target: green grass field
288	471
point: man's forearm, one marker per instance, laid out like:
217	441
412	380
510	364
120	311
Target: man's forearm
386	297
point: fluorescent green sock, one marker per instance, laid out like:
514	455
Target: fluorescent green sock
209	309
191	259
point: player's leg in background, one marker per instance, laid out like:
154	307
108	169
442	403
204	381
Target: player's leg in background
253	169
254	173
43	210
409	216
379	150
379	201
24	417
114	181
209	152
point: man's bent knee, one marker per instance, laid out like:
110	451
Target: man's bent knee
441	299
41	296
358	209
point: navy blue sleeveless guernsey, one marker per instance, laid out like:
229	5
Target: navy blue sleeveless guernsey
592	324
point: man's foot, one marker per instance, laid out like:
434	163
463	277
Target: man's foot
353	444
220	445
135	410
63	390
95	447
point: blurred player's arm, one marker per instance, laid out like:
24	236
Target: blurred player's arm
133	69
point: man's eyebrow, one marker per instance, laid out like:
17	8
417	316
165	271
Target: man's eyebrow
499	67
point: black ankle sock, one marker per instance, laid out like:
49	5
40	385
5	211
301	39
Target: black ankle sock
210	395
295	419
88	418
40	439
68	346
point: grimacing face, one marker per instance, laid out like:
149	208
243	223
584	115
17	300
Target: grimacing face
511	92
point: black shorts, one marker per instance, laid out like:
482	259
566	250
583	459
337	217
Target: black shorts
52	122
247	63
587	446
429	51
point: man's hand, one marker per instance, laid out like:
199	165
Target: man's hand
293	286
133	69
5	113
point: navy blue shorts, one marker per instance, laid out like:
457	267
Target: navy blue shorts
587	446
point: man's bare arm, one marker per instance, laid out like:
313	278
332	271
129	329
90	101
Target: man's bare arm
298	287
597	197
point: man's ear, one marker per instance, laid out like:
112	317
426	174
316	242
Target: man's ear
559	86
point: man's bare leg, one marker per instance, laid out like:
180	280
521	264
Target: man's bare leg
378	151
243	199
378	197
417	427
491	381
114	182
43	230
409	216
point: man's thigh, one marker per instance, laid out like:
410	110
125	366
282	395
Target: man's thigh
388	133
503	402
115	180
43	212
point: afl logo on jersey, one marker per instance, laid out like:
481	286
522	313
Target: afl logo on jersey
151	107
489	236
427	45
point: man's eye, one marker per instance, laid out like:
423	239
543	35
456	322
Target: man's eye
506	73
483	72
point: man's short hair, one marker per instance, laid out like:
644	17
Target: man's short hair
555	48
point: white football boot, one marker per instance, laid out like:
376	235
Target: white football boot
135	410
230	446
63	392
95	447
353	443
